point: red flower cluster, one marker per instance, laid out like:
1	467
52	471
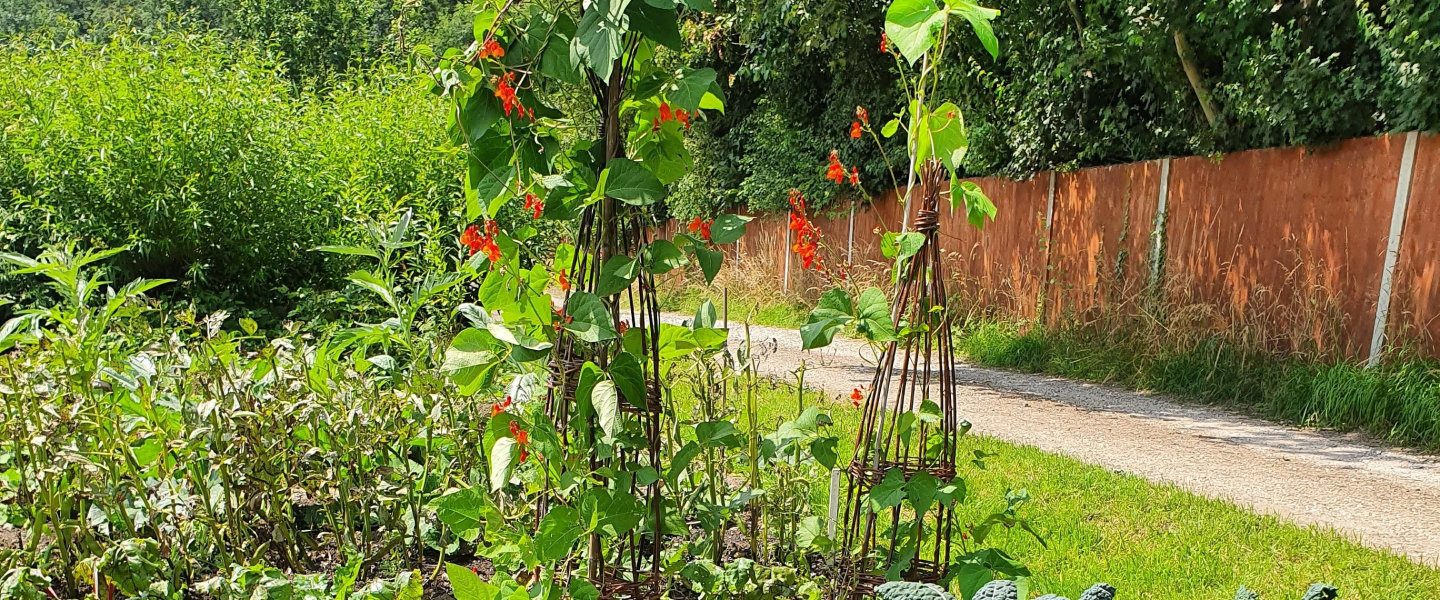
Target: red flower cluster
836	172
668	114
862	118
535	204
855	130
482	243
506	93
522	437
856	397
884	43
491	49
702	226
561	319
862	114
807	235
500	407
622	327
564	281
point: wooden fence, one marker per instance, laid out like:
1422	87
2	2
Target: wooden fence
1341	243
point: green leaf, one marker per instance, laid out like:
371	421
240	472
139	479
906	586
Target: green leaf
920	491
873	316
616	275
559	530
663	256
901	246
972	577
502	458
599	35
580	589
484	22
631	182
818	334
709	260
823	449
947	136
705	315
658	24
607	407
682	460
590	319
810	534
482	109
913	26
612	512
978	206
461	510
728	228
714	434
691	88
629	378
889	493
351	250
834	304
556	61
979	18
466	585
890	128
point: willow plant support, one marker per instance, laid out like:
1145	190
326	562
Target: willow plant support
630	567
914	371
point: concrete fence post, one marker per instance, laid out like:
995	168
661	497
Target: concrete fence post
1040	304
1392	248
850	242
1157	237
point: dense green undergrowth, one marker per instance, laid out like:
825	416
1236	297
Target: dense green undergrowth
202	157
1398	401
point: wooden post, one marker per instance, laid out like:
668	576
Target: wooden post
1392	248
1049	233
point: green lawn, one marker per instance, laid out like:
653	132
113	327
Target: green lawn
1150	541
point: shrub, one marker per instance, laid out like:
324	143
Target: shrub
204	158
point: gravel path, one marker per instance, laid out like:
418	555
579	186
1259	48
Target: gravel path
1382	497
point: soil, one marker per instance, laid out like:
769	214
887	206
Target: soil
1382	497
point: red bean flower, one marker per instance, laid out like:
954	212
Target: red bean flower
563	280
491	49
855	130
884	43
862	114
535	204
856	397
506	94
835	171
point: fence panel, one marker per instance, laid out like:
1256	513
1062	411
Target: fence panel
1100	239
1003	266
1289	242
1415	302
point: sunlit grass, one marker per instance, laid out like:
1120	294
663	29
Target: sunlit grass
1150	541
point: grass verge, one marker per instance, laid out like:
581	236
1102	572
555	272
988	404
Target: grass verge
1150	541
1398	401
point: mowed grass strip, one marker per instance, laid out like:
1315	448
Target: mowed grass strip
1150	541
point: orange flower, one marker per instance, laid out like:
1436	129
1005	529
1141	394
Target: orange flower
622	327
491	49
471	238
665	113
534	203
524	455
855	176
862	114
683	117
500	407
884	43
564	281
523	437
855	130
856	397
506	94
835	171
807	237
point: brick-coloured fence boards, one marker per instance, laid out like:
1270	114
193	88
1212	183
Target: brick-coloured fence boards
1276	227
